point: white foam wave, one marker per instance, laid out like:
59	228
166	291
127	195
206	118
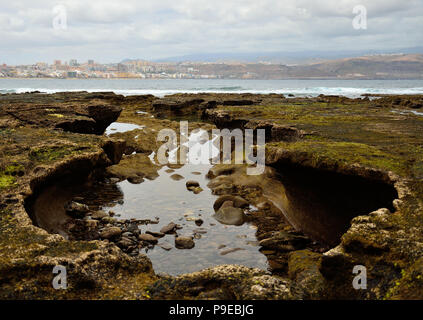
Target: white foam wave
307	91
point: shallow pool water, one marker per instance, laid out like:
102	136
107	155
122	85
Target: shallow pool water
169	200
417	113
116	127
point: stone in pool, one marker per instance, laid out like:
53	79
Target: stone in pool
170	228
195	190
155	234
192	183
76	209
238	202
165	246
147	238
176	177
110	232
183	242
98	215
230	216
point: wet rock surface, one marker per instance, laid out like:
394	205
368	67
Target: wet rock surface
76	112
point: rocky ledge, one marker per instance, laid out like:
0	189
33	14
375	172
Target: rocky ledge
37	151
343	144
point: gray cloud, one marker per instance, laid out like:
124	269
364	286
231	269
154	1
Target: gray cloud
108	30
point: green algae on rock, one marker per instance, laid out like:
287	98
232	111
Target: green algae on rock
359	138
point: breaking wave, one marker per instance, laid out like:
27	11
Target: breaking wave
160	88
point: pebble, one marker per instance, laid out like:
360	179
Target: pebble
196	190
198	222
135	180
127	234
155	234
98	215
133	227
76	209
230	216
125	243
176	177
170	228
192	183
110	232
91	224
200	230
108	220
165	246
225	252
238	202
147	238
183	242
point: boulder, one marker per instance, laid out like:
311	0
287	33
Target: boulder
230	215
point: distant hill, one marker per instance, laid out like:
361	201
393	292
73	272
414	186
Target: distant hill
375	66
289	58
401	66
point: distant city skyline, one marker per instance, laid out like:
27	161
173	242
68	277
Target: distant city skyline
379	66
109	31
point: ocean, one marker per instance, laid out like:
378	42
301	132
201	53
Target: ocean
160	88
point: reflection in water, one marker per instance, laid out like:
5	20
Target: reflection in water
417	113
119	127
169	200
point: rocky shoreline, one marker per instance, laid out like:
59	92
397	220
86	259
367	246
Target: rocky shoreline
373	145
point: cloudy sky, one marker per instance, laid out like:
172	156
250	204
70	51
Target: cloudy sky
109	31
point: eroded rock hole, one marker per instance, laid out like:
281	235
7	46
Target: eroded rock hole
322	204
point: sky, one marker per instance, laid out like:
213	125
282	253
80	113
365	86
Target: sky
110	31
